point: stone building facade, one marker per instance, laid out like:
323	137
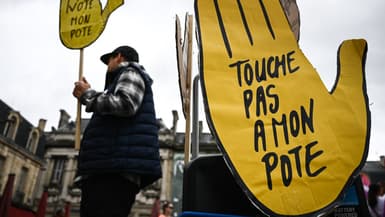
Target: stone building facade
21	153
46	160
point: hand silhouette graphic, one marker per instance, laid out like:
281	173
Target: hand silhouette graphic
294	145
82	21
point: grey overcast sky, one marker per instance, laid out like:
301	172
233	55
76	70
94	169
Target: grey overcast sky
38	72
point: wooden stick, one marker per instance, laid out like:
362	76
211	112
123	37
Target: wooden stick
79	107
187	146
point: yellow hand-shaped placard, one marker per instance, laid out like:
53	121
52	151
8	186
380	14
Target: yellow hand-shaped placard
82	21
294	145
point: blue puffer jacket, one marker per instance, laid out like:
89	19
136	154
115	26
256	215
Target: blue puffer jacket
125	145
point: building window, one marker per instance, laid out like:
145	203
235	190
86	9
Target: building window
21	183
11	126
58	170
2	163
32	141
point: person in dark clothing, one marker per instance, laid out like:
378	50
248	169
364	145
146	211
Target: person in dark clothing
376	202
59	213
119	151
167	209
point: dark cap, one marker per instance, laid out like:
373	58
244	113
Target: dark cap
128	52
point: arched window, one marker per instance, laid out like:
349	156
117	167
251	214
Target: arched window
11	125
33	140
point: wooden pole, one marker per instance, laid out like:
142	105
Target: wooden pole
79	107
184	57
187	146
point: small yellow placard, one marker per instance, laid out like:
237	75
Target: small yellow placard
82	21
295	145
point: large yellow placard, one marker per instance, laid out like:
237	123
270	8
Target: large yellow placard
294	145
82	21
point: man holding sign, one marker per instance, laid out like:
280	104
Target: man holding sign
119	152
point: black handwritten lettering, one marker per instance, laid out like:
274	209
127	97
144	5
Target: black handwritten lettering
272	106
79	20
295	152
267	67
259	133
271	73
247	99
238	65
79	6
305	120
284	126
81	32
248	74
290	60
276	124
262	99
286	170
271	161
310	157
280	64
294	123
260	72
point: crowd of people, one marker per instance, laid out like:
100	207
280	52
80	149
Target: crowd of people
375	195
376	199
167	209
